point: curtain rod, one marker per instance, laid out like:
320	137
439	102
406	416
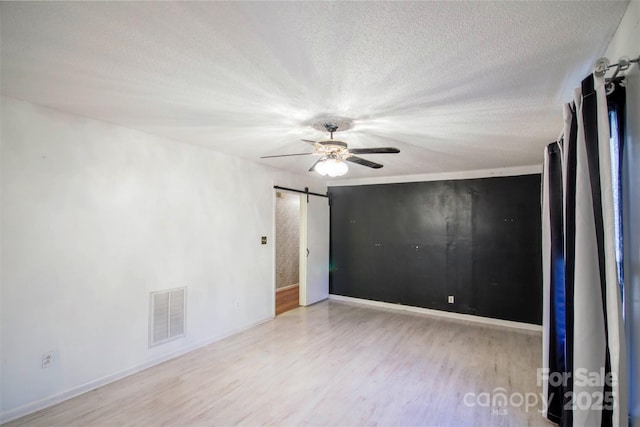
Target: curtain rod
602	65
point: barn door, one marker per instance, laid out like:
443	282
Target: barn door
314	249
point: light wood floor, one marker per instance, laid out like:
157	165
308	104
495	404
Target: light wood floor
331	364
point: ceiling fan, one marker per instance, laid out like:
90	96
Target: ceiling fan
334	153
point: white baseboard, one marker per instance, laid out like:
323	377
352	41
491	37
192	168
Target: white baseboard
92	385
440	313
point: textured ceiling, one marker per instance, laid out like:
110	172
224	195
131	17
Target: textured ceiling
454	85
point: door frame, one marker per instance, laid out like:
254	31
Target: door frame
301	200
302	223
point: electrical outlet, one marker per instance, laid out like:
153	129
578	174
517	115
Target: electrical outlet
47	359
450	299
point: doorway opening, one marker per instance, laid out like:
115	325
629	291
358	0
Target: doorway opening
287	244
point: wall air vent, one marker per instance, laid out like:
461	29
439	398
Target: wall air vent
167	313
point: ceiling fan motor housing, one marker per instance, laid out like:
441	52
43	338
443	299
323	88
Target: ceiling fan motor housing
333	147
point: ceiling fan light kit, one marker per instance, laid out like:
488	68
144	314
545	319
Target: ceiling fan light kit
331	166
334	153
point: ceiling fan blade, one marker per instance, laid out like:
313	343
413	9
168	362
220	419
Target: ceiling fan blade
309	141
363	162
286	155
312	168
379	150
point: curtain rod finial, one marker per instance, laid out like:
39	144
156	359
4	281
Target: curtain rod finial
601	66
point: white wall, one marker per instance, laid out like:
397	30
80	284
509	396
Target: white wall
94	217
626	42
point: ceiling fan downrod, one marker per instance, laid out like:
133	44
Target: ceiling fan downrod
331	128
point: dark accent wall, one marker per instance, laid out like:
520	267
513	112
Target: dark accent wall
417	243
